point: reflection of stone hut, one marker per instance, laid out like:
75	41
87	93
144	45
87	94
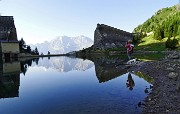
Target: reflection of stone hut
9	79
11	67
109	37
106	73
9	45
108	69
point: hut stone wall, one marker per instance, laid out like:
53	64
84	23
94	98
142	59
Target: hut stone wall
109	37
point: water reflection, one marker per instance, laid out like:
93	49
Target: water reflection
10	72
145	77
99	87
10	76
25	63
110	67
130	82
107	69
9	80
64	64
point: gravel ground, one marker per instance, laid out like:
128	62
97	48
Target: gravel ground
165	95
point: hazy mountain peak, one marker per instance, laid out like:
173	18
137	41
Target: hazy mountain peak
63	44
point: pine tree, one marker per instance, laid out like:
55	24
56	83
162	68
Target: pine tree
159	33
36	51
22	45
28	50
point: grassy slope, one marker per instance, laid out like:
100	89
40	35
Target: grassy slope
150	44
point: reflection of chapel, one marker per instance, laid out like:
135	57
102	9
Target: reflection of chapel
9	45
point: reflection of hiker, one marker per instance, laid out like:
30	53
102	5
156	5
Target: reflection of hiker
129	47
130	82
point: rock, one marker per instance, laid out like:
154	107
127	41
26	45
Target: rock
105	34
151	86
173	56
173	75
139	104
178	87
170	69
146	90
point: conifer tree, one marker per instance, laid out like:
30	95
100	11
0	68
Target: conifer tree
36	51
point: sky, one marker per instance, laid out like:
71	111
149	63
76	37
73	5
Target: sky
37	21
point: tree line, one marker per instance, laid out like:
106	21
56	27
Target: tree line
169	28
26	48
164	24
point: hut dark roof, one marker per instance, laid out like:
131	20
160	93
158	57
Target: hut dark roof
7	28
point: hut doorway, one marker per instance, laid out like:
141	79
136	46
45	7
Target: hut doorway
7	57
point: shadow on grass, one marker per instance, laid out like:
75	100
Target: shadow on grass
149	56
151	47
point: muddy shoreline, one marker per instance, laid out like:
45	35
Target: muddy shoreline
165	95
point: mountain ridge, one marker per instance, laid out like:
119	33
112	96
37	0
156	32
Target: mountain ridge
63	44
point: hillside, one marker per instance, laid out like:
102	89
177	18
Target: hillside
162	26
158	18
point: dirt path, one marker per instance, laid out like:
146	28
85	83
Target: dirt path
165	95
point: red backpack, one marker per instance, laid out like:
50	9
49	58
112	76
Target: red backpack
132	48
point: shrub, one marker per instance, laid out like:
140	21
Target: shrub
171	43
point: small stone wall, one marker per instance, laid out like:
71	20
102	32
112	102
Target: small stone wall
109	37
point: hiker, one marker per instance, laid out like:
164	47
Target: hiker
130	48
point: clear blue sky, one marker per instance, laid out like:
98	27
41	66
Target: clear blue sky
40	20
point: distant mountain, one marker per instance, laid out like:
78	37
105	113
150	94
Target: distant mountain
63	44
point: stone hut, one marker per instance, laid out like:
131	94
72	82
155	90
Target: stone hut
9	45
109	37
